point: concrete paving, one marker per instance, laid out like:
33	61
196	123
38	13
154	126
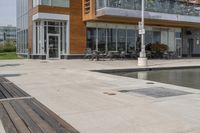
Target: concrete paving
80	96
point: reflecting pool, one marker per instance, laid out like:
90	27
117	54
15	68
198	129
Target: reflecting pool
181	77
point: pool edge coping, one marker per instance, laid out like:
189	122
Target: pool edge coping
109	71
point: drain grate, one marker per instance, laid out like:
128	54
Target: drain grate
110	93
157	92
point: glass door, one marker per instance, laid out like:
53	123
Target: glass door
53	47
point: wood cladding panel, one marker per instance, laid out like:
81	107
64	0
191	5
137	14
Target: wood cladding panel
92	14
77	26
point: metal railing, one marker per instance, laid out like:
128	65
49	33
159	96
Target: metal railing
161	6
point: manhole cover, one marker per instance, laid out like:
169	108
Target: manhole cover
44	62
150	83
157	92
110	93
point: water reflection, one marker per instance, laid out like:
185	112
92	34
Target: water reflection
142	75
181	77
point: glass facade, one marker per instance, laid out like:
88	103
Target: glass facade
43	33
7	33
22	26
111	37
162	6
58	3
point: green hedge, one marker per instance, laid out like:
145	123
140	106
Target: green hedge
8	46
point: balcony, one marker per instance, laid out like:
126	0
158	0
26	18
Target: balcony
174	10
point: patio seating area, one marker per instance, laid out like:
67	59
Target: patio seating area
121	55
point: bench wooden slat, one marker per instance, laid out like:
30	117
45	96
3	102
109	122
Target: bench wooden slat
7	123
12	90
5	92
54	120
15	88
20	90
19	124
33	127
9	89
3	80
36	118
2	95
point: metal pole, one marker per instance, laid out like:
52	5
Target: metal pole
142	60
142	53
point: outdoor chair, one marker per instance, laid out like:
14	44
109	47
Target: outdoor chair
166	55
88	53
122	55
110	55
95	55
169	55
133	54
172	55
148	54
102	55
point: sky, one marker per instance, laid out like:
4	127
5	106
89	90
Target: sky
7	12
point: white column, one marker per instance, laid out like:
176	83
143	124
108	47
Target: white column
105	3
68	36
126	45
34	38
97	38
42	37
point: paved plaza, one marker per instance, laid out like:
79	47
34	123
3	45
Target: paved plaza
92	102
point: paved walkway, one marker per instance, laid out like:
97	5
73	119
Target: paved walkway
82	97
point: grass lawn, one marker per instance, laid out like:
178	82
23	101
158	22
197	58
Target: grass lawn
8	56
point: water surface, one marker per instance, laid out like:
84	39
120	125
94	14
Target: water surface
181	77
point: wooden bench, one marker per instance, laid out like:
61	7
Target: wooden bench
27	115
10	90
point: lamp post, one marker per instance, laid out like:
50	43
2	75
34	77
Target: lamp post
142	60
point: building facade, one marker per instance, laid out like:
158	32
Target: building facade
58	29
7	33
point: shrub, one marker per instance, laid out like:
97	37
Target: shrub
158	47
8	46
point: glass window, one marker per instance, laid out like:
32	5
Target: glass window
156	37
60	3
101	4
148	37
91	38
111	36
35	3
45	2
178	34
53	27
130	40
102	40
121	42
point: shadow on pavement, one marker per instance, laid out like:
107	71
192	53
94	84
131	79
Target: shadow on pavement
10	65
